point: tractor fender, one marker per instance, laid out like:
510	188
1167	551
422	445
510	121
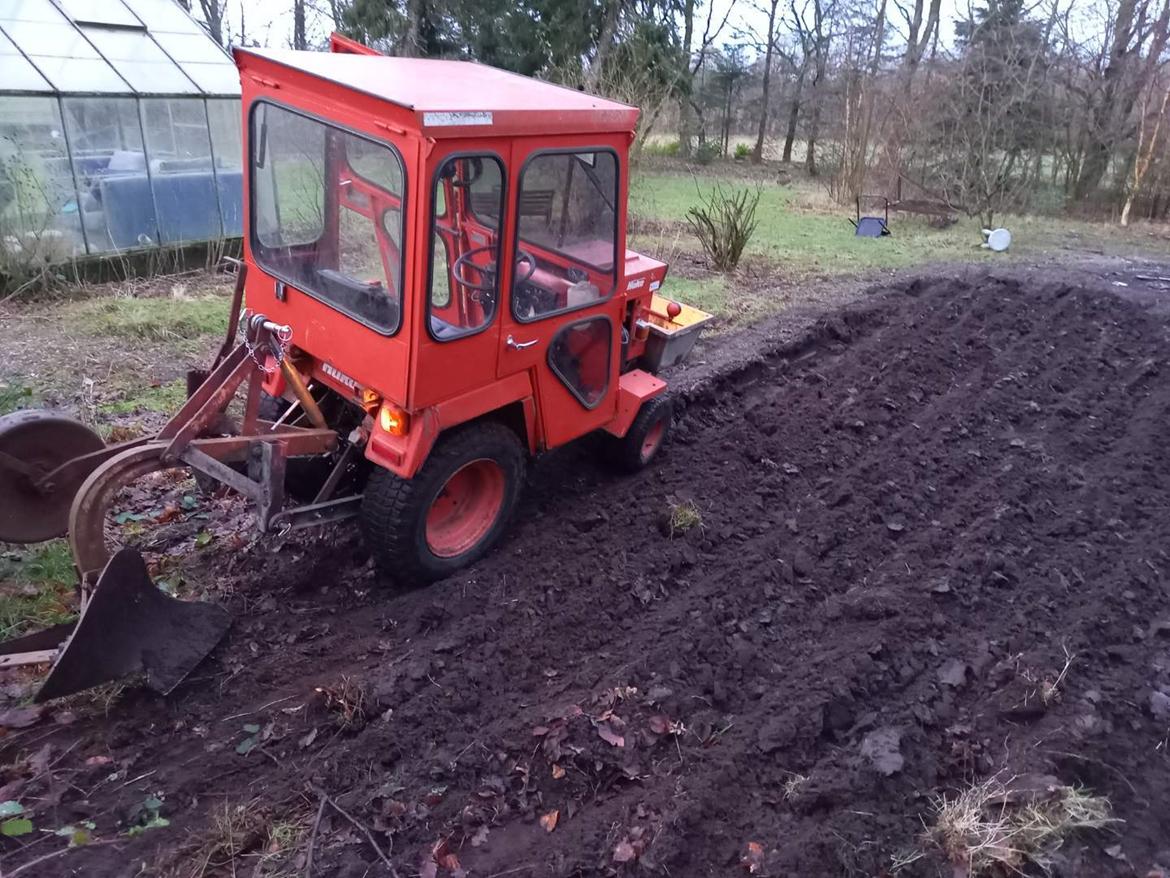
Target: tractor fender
512	398
634	389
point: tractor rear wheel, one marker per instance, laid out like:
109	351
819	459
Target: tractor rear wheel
454	510
646	436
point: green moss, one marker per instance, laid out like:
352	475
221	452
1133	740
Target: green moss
14	397
36	588
156	319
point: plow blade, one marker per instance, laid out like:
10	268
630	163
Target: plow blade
130	627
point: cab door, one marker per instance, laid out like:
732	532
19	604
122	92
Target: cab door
562	320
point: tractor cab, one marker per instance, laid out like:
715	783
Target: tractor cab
448	239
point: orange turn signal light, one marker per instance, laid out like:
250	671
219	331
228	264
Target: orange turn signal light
393	420
370	400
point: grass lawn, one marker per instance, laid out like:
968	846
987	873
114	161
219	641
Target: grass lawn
801	233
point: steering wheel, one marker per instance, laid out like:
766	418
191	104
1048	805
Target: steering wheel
526	257
486	283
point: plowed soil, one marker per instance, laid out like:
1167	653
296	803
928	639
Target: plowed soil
932	550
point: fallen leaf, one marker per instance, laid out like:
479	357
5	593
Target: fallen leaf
557	772
608	735
169	513
659	724
549	820
624	852
16	826
480	836
308	739
245	746
11	809
539	731
753	857
203	538
98	760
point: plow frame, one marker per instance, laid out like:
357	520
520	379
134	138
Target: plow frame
201	437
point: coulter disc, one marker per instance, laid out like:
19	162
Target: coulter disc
33	443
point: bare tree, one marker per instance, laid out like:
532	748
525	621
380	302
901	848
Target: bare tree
213	14
1139	27
690	110
770	43
1146	145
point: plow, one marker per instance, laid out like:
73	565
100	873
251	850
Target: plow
59	478
434	289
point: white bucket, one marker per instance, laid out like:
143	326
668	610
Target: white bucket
997	239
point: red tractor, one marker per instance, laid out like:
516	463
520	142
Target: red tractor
435	287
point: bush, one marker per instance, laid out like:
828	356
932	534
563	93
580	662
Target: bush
724	223
742	151
705	153
669	148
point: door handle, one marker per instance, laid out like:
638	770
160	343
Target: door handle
519	345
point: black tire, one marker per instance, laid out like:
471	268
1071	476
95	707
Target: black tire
271	407
630	454
394	510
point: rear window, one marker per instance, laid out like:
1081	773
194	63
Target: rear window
327	213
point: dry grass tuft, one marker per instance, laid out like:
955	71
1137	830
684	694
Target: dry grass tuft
684	516
993	827
347	701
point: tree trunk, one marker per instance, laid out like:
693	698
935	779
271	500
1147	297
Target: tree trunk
793	117
758	153
605	42
299	40
685	118
213	14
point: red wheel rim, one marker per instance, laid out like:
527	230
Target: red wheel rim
465	508
653	440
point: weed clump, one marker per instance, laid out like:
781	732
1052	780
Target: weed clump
724	223
995	827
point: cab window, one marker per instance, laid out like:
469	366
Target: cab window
466	205
327	214
566	253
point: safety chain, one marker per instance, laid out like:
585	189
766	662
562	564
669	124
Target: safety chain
279	338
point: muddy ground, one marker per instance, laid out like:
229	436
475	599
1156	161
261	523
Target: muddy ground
932	551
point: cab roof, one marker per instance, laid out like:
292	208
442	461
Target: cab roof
455	98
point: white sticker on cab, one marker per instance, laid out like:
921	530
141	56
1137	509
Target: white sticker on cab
446	120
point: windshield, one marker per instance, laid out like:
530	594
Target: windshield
327	214
567	220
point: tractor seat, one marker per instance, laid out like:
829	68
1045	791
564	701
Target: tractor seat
442	330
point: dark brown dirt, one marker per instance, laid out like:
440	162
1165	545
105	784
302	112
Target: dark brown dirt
912	519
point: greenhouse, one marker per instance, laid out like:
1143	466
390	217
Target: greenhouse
119	129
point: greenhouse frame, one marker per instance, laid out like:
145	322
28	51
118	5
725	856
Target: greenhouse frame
119	129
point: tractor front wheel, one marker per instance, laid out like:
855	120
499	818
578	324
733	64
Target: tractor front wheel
452	512
646	436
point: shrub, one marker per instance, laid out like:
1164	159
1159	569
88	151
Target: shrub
724	223
669	148
742	151
705	153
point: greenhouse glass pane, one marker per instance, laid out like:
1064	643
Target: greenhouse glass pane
29	10
117	205
103	11
38	202
228	148
16	73
82	75
178	146
215	79
61	39
191	47
140	61
164	16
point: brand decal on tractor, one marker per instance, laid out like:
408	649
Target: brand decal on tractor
441	120
485	348
336	374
